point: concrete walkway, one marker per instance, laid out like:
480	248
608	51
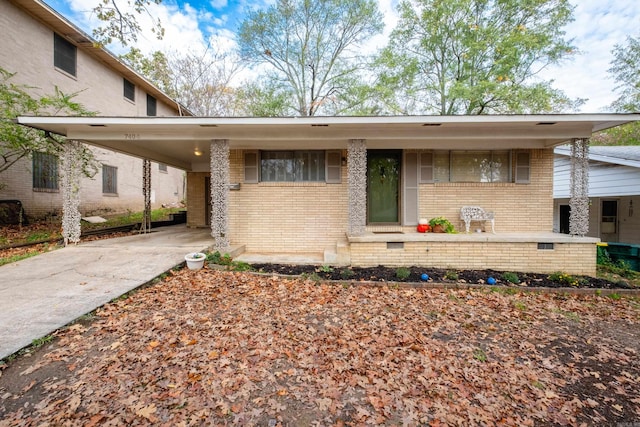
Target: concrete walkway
41	294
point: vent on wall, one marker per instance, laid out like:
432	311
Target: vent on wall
545	246
395	245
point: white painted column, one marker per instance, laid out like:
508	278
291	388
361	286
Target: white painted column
220	194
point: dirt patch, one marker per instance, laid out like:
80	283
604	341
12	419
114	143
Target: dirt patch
223	348
435	275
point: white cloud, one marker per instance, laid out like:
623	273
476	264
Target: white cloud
219	4
599	25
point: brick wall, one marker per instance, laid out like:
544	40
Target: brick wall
517	207
578	258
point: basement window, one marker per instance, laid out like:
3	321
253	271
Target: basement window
545	246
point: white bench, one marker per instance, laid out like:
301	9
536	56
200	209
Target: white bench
476	213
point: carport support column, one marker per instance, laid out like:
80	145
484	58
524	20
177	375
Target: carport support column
579	183
357	182
71	166
220	194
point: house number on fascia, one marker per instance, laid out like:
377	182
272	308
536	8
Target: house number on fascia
131	136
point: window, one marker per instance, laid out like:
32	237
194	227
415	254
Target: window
480	166
292	166
64	55
151	105
109	179
45	172
129	90
162	167
471	166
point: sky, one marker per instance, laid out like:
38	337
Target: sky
598	26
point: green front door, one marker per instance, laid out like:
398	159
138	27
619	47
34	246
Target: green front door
383	186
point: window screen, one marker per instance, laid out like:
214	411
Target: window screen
151	105
64	55
129	90
109	179
45	171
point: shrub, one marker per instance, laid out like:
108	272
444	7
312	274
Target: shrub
511	277
402	273
346	273
451	275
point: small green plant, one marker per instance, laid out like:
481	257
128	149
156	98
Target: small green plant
217	258
480	355
403	273
39	342
565	279
325	269
519	305
451	275
346	273
511	277
614	296
241	266
444	223
37	236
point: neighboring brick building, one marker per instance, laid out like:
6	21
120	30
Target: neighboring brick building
47	51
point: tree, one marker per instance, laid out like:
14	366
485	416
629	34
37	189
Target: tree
18	142
476	56
154	67
201	81
310	47
625	68
120	21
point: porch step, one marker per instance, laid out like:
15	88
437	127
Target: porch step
340	255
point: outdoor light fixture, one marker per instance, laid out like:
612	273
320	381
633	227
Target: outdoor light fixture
197	152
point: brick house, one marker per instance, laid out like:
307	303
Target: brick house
351	190
46	51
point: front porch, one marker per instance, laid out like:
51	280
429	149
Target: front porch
543	252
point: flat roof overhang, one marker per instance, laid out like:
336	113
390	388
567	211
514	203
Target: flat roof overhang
176	140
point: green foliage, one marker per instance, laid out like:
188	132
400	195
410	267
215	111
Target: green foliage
18	142
120	24
325	269
219	259
511	277
403	273
346	273
628	134
39	342
625	68
480	355
241	266
309	48
451	275
444	222
475	57
566	279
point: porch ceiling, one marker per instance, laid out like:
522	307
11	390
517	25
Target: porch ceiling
175	140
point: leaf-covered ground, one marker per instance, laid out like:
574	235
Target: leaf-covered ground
227	348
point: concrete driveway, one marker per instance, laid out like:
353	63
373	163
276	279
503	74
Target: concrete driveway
41	294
